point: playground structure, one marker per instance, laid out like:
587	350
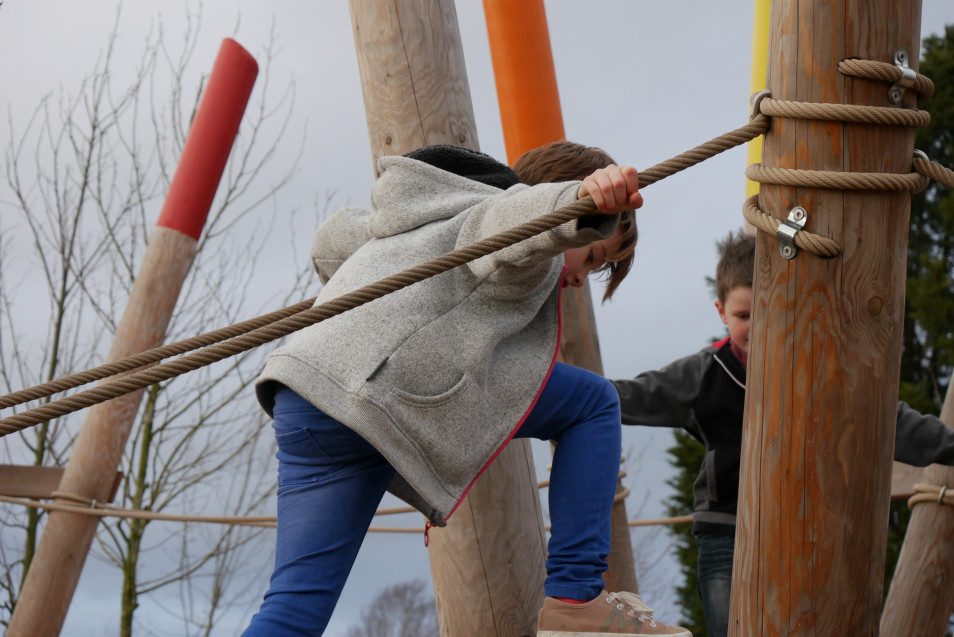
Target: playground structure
805	594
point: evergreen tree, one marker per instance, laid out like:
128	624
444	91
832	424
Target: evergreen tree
686	456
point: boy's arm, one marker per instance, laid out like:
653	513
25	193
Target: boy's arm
665	397
922	439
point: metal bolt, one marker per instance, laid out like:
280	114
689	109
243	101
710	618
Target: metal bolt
901	57
798	213
787	252
895	96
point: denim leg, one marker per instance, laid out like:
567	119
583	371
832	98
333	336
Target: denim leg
715	580
330	481
579	410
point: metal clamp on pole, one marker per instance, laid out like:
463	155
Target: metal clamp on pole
756	101
788	229
907	80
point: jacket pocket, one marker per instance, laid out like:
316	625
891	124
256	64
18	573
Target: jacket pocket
455	430
722	475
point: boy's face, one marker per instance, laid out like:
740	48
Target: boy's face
735	314
581	261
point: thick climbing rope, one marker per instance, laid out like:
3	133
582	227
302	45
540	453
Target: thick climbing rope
245	336
914	182
149	356
924	493
291	321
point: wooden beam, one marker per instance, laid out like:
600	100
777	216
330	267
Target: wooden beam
825	343
922	590
39	483
531	117
416	93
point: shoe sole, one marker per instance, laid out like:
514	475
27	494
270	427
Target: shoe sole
564	633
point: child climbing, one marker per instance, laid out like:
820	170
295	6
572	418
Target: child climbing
418	391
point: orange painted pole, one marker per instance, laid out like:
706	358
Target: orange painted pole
531	117
523	70
91	470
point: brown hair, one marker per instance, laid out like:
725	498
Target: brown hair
569	161
736	266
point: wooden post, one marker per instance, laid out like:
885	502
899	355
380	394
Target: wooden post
580	346
531	117
825	341
416	93
91	470
922	590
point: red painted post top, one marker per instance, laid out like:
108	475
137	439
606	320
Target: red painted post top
210	140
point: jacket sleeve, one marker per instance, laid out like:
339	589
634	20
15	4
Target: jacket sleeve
518	205
922	439
337	239
665	397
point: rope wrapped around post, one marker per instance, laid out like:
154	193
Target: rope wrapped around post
913	182
931	493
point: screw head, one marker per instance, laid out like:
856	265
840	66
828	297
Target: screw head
901	57
787	252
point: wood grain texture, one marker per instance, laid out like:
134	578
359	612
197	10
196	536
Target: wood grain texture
922	590
488	564
413	77
825	341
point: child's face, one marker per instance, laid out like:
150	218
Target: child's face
735	314
581	261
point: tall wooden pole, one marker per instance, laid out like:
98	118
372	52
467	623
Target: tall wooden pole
488	563
922	590
531	117
91	470
825	340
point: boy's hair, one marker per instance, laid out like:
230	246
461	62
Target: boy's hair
569	161
736	266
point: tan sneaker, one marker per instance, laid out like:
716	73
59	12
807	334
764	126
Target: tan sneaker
608	614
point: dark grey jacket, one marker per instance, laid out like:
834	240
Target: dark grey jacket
704	394
439	375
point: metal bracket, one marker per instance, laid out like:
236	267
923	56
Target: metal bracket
907	80
788	229
756	101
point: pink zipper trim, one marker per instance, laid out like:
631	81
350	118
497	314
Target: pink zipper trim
556	352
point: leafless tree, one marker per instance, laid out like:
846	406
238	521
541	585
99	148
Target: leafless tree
401	610
85	180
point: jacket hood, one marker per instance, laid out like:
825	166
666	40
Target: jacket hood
410	193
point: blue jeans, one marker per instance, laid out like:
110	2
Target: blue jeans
715	554
330	482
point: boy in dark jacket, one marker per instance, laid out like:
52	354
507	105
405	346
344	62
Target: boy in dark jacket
704	393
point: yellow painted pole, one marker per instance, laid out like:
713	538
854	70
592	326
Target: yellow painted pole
760	30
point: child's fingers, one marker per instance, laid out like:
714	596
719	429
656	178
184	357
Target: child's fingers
613	189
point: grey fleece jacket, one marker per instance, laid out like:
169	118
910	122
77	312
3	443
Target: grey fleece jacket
437	376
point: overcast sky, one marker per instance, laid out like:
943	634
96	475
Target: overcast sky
670	75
